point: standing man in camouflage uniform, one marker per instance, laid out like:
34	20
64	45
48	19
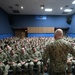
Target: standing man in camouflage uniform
57	51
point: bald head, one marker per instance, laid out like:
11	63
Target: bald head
58	34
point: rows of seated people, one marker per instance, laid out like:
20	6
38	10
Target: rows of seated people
16	53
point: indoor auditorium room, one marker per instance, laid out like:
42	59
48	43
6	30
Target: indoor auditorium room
37	37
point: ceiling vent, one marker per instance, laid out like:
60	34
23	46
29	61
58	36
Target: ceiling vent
15	11
72	8
10	7
17	5
66	6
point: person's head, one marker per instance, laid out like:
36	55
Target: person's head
22	50
8	47
34	49
16	47
12	52
58	34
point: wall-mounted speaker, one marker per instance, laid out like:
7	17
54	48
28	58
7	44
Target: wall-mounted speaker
69	20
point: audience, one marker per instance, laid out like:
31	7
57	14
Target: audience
32	47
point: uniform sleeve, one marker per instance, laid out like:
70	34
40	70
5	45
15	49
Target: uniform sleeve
31	58
19	58
27	57
71	50
5	57
16	60
46	54
39	56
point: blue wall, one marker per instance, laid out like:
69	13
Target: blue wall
72	26
71	35
40	35
5	27
71	32
33	21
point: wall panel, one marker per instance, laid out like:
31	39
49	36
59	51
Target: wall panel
40	29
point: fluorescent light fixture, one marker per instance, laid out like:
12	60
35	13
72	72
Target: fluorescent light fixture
67	10
61	8
21	7
48	9
73	2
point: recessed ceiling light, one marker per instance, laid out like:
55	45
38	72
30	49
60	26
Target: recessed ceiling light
61	8
73	2
21	7
42	6
67	10
48	9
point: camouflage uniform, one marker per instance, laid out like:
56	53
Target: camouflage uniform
7	50
57	51
23	58
3	60
12	62
17	49
36	57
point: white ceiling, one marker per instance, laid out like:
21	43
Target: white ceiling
32	7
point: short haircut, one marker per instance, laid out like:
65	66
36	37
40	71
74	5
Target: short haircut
59	32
